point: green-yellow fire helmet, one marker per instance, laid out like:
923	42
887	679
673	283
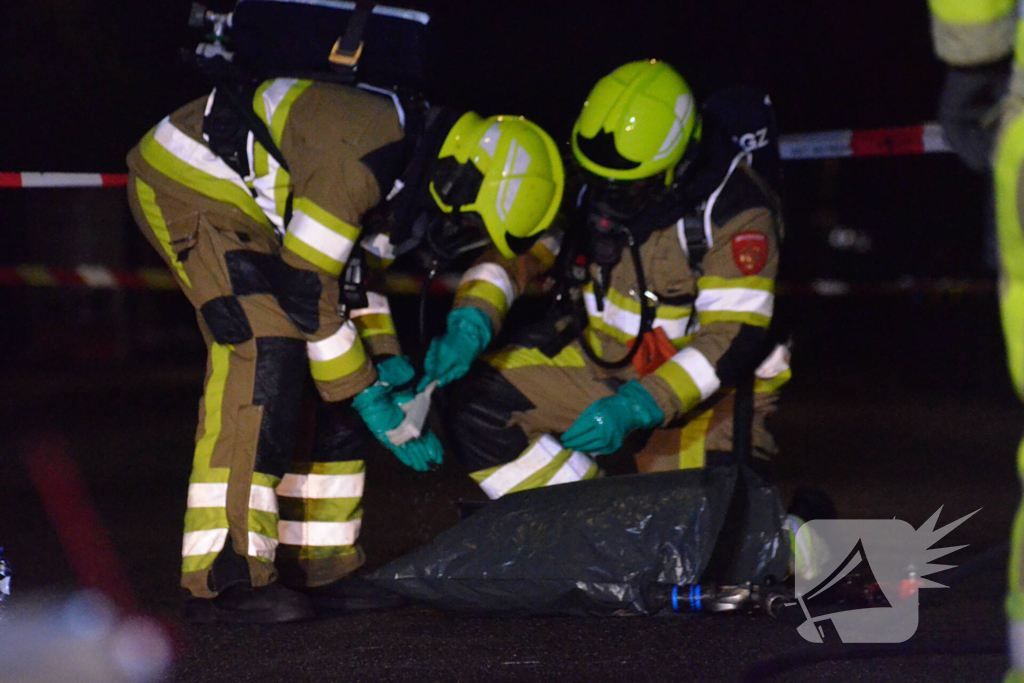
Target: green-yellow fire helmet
502	173
636	122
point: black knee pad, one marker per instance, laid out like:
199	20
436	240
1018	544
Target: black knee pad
478	410
281	371
226	320
297	291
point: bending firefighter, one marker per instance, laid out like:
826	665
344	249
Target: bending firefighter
982	44
255	198
673	281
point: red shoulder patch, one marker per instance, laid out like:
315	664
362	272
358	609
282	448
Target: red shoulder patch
750	252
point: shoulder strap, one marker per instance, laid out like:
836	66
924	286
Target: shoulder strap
233	95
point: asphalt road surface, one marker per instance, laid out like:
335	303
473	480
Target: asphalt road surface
899	405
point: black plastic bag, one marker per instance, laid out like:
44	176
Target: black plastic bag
597	547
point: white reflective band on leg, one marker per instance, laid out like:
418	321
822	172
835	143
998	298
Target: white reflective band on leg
496	275
375	303
207	495
262	546
202	542
1015	638
574	470
321	485
536	458
335	346
318	533
699	370
262	498
736	299
315	234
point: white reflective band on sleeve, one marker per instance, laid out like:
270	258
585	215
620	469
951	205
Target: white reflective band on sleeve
194	154
207	495
202	542
775	364
377	303
262	546
318	533
628	322
321	485
318	236
737	300
1015	638
574	470
334	346
496	275
699	370
505	478
262	498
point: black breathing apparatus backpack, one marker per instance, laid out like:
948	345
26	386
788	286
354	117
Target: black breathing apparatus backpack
387	50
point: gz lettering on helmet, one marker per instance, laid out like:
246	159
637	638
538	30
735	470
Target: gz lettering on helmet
502	174
637	122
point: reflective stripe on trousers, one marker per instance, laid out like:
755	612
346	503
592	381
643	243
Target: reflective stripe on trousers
544	463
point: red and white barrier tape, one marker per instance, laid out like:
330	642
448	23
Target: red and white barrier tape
63	179
100	277
831	144
835	144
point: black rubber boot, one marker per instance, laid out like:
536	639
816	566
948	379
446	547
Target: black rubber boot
353	594
242	604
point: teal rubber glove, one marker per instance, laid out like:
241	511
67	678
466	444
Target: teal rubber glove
379	409
605	423
450	355
395	371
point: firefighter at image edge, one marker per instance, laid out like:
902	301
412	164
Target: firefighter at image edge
258	236
982	113
678	244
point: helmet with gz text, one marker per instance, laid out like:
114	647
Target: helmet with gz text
637	122
502	174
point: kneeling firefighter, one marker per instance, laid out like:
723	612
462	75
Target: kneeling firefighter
257	210
673	275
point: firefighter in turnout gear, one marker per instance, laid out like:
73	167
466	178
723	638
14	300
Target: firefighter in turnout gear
256	200
982	113
672	277
674	288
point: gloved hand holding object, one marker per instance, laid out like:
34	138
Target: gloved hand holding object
379	408
450	355
604	424
969	111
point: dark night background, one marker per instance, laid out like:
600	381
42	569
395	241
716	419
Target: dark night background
899	402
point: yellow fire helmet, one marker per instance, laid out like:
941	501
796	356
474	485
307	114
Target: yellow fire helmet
637	122
501	173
